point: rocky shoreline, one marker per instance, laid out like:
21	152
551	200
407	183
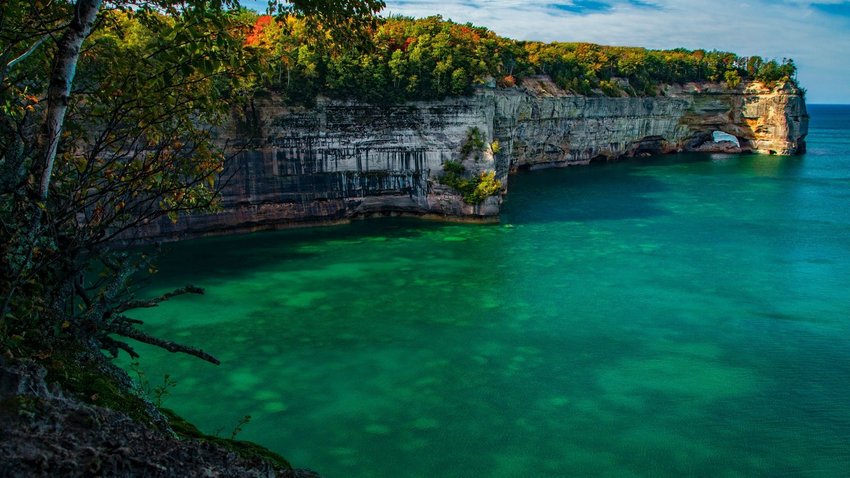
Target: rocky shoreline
49	432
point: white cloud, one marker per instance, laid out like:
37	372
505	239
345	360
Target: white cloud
818	42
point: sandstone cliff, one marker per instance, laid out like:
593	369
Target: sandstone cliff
340	159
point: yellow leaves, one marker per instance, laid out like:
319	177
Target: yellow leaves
292	22
495	146
66	325
80	163
488	185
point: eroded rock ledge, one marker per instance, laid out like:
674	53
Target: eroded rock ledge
341	160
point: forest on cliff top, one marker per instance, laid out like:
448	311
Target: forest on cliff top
404	58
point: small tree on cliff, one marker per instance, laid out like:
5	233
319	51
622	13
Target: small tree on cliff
107	110
733	79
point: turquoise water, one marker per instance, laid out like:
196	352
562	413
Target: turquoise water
675	316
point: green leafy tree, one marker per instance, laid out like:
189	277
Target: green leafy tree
733	78
107	117
430	58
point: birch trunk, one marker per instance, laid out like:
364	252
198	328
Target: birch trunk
61	80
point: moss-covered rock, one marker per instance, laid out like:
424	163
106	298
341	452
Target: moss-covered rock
75	414
245	449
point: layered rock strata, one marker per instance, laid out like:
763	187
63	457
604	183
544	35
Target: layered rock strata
340	160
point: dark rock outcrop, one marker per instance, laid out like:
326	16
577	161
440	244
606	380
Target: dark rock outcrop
45	433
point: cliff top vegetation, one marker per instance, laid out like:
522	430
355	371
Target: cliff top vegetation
404	58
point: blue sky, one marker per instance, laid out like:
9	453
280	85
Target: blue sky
816	34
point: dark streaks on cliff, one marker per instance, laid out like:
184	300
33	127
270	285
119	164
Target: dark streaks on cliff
343	159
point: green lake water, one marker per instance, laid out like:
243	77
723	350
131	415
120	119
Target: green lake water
686	315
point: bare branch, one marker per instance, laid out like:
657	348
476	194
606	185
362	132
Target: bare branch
125	330
81	292
23	56
142	304
112	346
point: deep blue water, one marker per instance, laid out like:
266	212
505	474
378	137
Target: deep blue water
683	315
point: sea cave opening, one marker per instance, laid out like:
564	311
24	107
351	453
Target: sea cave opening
722	137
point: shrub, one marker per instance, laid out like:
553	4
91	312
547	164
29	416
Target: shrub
474	190
487	185
453	167
733	78
508	82
495	146
474	143
610	88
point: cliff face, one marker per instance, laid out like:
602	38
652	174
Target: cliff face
543	126
777	119
340	160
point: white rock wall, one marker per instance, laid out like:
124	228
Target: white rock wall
340	159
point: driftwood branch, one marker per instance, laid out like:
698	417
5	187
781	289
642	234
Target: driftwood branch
145	304
123	328
112	346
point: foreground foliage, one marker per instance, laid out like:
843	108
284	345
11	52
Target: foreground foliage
127	141
107	117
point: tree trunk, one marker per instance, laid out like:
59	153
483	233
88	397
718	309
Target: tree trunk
61	80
